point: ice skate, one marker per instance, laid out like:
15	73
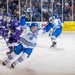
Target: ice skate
53	45
9	52
4	63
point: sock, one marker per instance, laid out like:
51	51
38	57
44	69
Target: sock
20	59
53	39
11	56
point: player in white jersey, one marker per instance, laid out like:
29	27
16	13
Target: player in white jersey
28	41
56	30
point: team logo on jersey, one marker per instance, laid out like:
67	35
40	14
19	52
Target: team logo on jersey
31	38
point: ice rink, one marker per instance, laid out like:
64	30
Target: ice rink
43	60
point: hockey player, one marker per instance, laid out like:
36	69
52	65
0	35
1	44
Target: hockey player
15	29
27	43
56	30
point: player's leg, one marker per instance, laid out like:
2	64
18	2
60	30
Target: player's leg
54	36
16	52
50	32
26	53
53	39
11	43
11	47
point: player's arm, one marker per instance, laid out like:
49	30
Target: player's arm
50	24
17	32
46	29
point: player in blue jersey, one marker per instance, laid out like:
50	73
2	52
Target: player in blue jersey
56	30
27	43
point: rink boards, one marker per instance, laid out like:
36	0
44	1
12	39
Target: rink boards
67	26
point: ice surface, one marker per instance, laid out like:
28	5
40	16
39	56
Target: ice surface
43	60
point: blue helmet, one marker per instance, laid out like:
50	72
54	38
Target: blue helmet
34	24
34	29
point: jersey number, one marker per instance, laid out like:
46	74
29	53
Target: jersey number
59	23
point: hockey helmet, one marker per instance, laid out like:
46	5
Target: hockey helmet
34	27
34	24
7	17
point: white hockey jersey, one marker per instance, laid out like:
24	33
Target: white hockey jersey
29	39
57	23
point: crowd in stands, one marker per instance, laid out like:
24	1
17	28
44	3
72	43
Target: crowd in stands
58	6
39	10
13	7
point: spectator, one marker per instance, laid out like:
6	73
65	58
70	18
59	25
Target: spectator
39	9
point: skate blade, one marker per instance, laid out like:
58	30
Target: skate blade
11	67
57	49
53	47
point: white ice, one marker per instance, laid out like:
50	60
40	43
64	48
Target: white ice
43	60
